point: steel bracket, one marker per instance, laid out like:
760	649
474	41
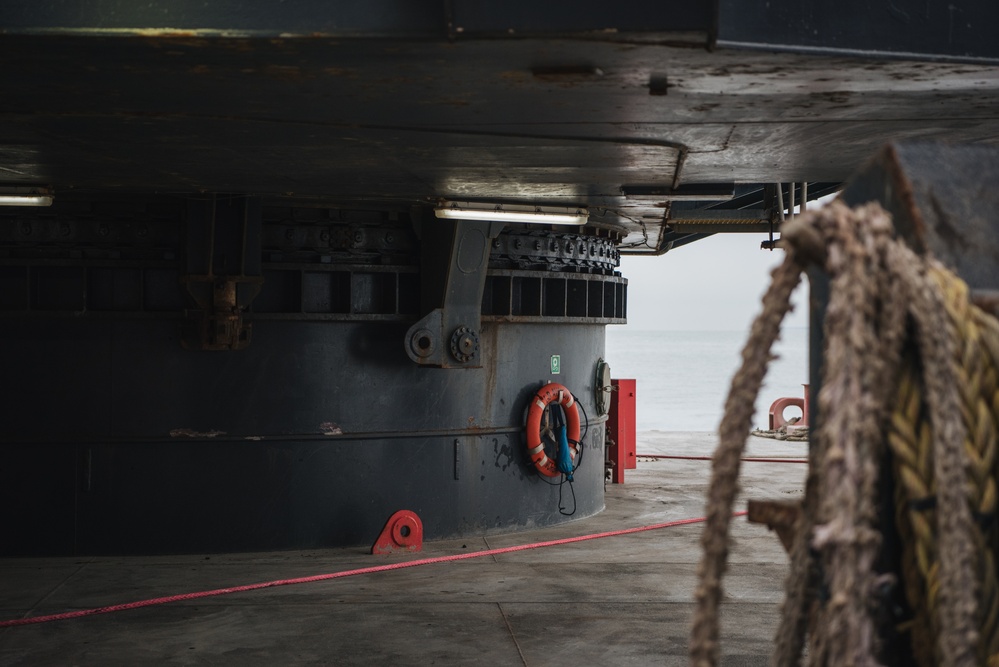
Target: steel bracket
455	258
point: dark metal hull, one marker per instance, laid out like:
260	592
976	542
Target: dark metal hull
120	447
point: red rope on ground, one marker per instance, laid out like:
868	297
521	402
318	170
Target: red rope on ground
751	459
339	575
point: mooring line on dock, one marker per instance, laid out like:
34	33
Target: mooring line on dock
750	459
345	573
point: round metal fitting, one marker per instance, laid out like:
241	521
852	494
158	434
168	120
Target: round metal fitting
602	387
422	343
464	344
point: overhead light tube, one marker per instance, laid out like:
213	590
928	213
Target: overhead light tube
25	196
539	215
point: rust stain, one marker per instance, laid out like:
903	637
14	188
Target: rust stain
449	101
489	341
516	76
198	40
329	428
190	433
174	40
285	72
340	71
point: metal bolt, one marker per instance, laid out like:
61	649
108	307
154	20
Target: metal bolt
290	234
389	239
324	236
104	230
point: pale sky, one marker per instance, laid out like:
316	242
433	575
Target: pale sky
710	285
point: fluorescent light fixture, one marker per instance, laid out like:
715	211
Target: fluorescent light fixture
25	196
539	215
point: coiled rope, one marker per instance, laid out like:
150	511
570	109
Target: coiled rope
908	362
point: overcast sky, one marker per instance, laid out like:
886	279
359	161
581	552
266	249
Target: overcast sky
710	285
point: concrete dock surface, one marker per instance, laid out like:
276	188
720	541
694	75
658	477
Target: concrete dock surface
624	600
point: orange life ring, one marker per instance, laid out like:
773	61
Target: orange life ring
546	395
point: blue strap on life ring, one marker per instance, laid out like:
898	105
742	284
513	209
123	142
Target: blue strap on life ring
564	460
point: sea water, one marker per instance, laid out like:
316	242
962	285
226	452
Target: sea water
683	377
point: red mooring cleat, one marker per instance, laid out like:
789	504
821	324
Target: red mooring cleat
404	530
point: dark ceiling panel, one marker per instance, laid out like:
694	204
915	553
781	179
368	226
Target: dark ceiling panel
562	16
567	121
957	30
303	17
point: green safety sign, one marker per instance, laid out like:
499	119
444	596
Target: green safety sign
556	364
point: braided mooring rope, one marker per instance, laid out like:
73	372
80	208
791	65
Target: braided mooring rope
908	362
976	376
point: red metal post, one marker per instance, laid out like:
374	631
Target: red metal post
621	422
806	410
